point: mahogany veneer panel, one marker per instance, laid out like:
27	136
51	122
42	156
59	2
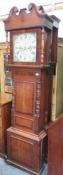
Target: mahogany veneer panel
5	122
55	147
24	94
21	121
26	149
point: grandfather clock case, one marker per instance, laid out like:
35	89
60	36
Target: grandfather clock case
32	70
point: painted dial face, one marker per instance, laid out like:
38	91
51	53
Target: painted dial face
24	47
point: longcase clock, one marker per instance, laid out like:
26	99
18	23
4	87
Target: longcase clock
30	50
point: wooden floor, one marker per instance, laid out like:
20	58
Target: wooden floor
6	169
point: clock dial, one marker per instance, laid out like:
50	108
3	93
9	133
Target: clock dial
24	47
